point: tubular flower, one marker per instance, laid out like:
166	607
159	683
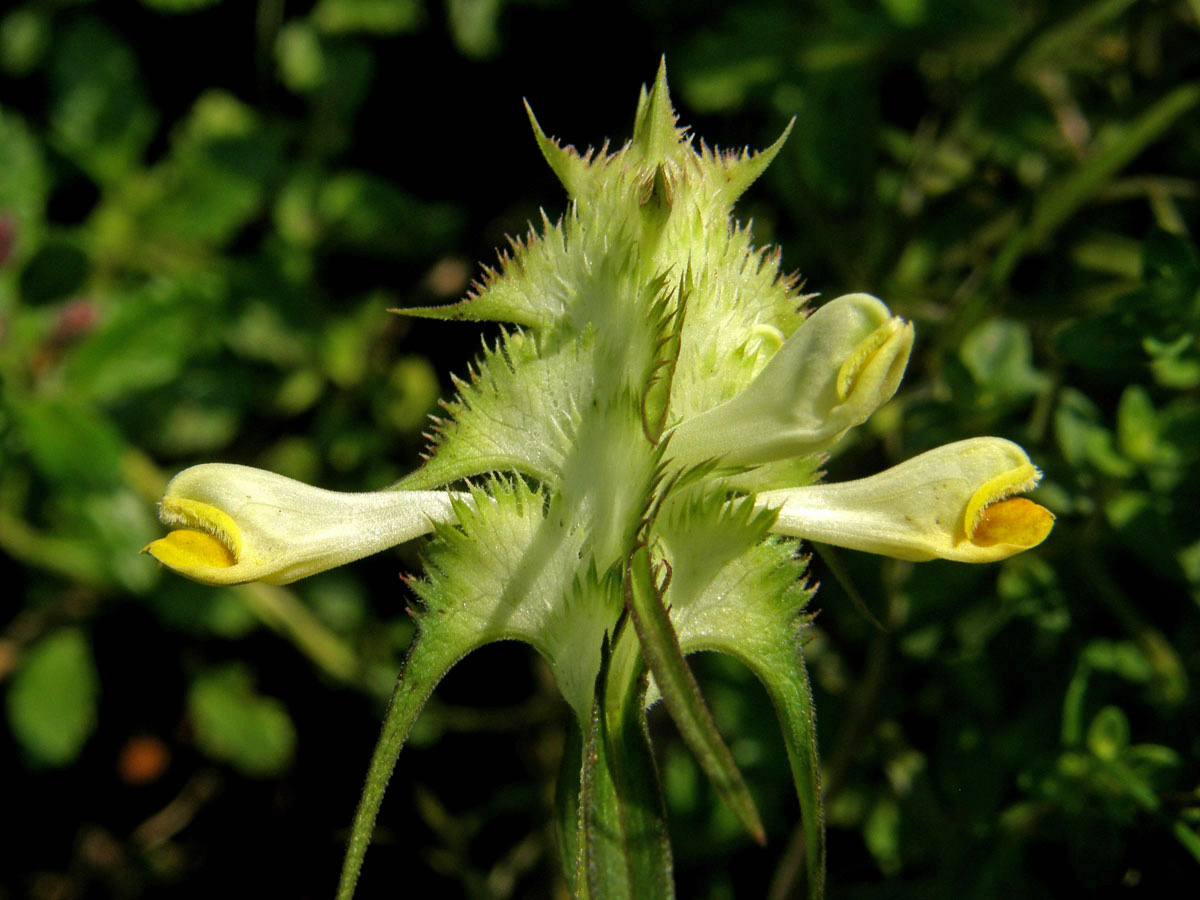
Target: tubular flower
235	524
840	365
954	502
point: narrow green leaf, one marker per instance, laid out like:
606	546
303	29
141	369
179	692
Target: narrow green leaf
780	668
751	607
681	693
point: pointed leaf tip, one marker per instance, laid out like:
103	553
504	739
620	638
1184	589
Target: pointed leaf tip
567	165
654	130
743	172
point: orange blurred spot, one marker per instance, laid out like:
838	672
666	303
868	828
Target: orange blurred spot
143	759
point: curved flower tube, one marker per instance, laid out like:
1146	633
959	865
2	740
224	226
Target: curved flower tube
953	502
842	364
236	524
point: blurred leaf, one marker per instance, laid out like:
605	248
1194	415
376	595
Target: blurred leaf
370	16
24	37
299	56
144	341
1112	152
1137	425
52	699
194	429
299	391
838	114
1123	658
214	178
58	269
122	524
473	25
264	333
1146	526
178	6
412	394
295	457
22	189
345	346
1171	269
349	75
1152	761
1083	440
906	12
1108	735
69	443
100	115
239	726
882	834
1029	585
367	214
999	355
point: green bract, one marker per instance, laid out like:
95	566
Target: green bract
632	460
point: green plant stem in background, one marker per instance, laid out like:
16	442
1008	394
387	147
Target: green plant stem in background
1063	199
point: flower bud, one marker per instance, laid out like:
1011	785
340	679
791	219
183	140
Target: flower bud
237	524
954	502
842	364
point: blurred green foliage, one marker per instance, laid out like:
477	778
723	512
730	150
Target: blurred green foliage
206	208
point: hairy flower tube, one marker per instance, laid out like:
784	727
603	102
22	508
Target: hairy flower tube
236	524
955	502
632	459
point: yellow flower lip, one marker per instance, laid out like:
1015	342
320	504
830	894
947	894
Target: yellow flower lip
994	517
954	502
208	537
185	549
232	524
1016	522
861	357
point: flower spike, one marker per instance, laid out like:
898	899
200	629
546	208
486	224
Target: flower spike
236	524
842	364
954	502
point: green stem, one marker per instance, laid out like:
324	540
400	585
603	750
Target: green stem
625	850
282	611
428	660
1066	196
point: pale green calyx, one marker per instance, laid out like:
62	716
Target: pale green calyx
953	502
236	523
842	364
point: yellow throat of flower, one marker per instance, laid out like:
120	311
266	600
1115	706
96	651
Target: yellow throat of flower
208	537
